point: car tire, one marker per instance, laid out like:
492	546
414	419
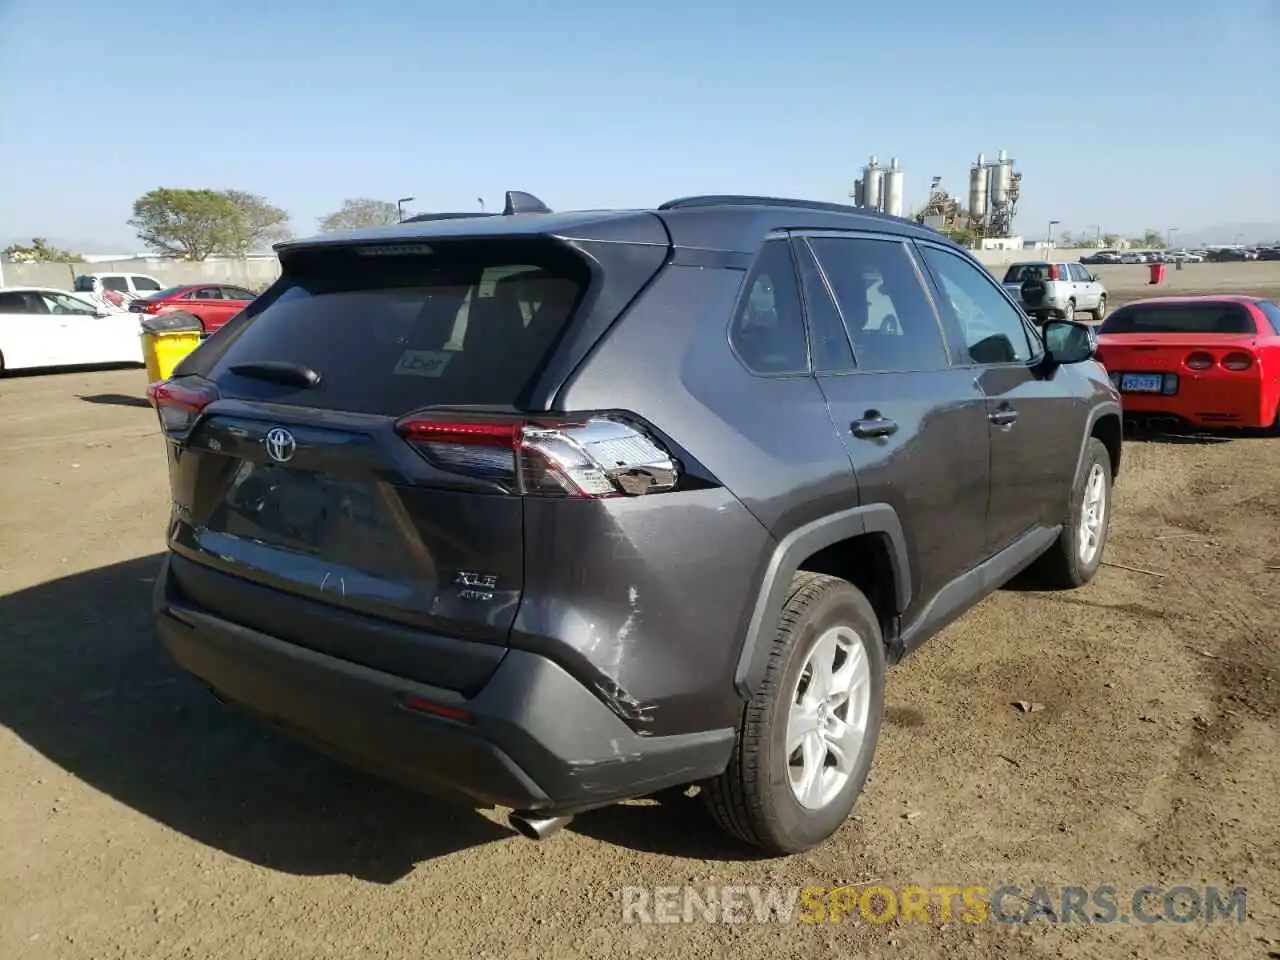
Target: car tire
1067	564
1099	312
1069	312
758	798
1	364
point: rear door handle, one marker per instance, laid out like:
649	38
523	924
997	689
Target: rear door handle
1004	417
873	426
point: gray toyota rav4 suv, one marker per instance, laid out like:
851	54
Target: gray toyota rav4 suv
551	510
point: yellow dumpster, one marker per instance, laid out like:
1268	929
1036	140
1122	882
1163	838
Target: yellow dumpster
166	339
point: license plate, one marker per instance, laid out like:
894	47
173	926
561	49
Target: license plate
1142	382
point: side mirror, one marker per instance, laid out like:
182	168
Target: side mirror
1066	341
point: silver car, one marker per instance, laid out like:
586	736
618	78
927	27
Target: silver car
1048	290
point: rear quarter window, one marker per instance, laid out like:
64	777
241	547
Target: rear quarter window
1272	312
471	324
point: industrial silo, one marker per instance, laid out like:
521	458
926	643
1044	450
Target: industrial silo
893	189
978	189
1002	179
872	184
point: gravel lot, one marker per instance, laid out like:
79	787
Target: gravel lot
140	819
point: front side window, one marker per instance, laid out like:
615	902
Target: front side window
118	284
145	284
993	328
767	331
886	310
65	304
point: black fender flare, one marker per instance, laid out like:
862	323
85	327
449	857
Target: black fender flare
1103	409
789	553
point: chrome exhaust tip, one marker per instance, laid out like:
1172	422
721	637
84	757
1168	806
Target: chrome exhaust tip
534	827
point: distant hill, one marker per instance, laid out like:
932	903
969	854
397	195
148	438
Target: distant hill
1259	232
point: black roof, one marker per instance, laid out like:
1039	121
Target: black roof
715	222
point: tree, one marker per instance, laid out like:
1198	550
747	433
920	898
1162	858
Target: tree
39	251
1111	240
1153	240
259	223
1067	240
187	224
361	213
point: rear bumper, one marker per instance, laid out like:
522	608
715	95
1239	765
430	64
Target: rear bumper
533	738
1205	404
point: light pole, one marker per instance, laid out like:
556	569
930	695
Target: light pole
1049	242
480	200
1097	236
400	207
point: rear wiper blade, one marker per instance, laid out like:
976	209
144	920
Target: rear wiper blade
277	371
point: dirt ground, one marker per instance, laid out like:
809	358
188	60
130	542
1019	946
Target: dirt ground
141	819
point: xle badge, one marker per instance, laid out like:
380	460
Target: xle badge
475	586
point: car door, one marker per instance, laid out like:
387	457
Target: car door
1034	426
207	304
914	427
1086	289
92	337
26	339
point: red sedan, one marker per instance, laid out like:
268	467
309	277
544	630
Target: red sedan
1207	361
213	303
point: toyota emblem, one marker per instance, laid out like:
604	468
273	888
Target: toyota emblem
280	444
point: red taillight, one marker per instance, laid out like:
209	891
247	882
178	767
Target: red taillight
591	457
1237	361
1199	360
153	307
1054	273
179	404
422	705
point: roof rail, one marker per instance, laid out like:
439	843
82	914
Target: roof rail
723	200
422	217
520	202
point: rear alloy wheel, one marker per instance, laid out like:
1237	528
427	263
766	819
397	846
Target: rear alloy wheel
1100	311
809	733
1075	556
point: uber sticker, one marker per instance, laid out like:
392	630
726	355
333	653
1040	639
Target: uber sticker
423	363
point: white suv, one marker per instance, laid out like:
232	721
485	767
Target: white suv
1048	290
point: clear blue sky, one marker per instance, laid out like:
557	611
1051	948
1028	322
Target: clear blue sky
1121	113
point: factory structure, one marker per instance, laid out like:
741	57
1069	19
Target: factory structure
987	212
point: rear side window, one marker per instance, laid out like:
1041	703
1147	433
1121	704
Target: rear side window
468	323
118	284
1272	312
1201	317
767	331
886	311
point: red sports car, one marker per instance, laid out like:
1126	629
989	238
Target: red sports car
1206	361
213	303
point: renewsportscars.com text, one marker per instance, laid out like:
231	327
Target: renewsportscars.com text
943	903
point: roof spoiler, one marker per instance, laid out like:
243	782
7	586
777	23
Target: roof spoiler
520	202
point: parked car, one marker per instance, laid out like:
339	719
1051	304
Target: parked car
1269	253
44	327
1204	361
117	288
548	511
1184	256
1102	256
1048	290
213	303
1132	256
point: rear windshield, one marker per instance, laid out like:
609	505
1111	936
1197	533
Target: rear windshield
166	293
1022	272
1180	318
466	323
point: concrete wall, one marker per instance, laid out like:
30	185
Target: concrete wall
260	272
251	273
